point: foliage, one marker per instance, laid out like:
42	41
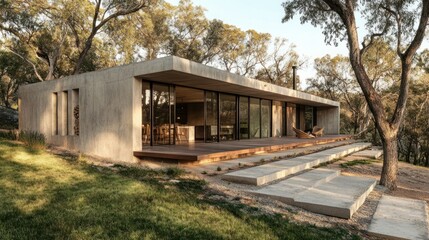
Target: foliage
56	37
44	40
8	118
43	196
33	139
9	134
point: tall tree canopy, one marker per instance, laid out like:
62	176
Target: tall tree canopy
48	33
394	22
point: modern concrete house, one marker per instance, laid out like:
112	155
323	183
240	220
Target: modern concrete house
115	112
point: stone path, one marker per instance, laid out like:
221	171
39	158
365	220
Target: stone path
270	172
400	218
322	191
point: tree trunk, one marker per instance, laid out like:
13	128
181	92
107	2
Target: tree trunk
390	163
407	158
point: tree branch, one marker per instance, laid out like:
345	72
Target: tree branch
28	61
406	61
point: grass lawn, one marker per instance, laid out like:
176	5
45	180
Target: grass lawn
44	196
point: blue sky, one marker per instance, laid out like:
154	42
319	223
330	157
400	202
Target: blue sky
265	16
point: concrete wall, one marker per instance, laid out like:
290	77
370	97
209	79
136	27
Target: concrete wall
277	127
107	108
290	119
329	119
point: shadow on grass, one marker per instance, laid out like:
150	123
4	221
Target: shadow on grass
87	202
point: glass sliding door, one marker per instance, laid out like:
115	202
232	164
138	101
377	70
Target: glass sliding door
244	117
161	115
265	118
228	110
189	115
255	118
308	118
146	113
212	113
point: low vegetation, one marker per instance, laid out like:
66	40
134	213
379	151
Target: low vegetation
356	162
45	196
32	139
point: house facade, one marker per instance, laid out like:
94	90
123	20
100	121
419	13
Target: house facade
167	101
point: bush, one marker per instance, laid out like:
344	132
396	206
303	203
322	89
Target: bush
33	139
10	134
174	172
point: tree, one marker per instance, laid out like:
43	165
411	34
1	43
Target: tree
276	67
42	32
12	74
384	19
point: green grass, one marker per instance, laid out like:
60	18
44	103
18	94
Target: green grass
356	162
44	196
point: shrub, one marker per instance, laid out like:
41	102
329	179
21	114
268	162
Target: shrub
11	134
33	139
174	172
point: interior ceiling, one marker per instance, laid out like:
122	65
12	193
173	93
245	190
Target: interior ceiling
187	95
197	82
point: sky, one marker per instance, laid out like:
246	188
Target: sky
265	16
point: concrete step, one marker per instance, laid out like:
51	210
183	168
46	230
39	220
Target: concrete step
340	197
400	218
287	190
370	153
322	191
277	170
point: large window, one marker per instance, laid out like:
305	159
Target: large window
255	118
244	117
189	115
308	118
228	110
161	115
211	116
265	118
174	115
146	113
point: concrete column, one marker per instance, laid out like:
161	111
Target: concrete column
137	114
277	127
291	118
329	119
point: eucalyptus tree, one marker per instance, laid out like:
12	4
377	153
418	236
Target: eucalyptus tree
43	32
276	65
403	22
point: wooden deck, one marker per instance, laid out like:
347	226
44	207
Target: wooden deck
207	152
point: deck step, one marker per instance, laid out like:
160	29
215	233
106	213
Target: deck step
277	170
322	191
400	218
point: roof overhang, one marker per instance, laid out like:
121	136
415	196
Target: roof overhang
182	72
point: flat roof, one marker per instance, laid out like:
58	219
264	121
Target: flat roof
183	72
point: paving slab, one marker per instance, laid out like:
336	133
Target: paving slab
370	153
322	191
340	197
269	172
400	218
287	190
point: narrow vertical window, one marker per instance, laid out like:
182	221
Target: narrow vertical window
64	113
55	114
75	111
